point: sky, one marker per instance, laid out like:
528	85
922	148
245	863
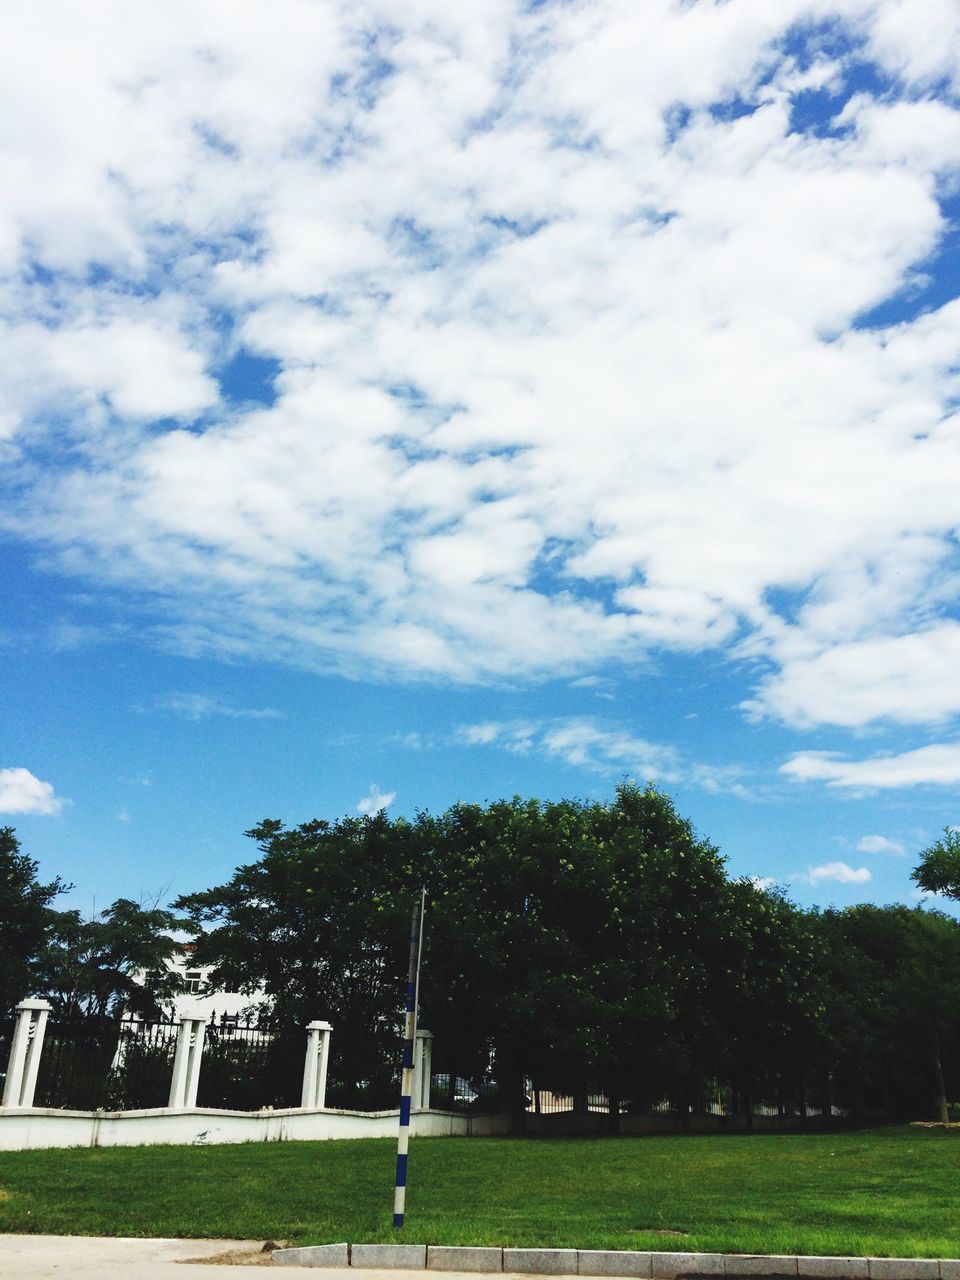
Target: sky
412	403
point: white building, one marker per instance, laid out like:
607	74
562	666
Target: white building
199	1001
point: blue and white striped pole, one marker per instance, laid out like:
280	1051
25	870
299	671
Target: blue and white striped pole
409	1040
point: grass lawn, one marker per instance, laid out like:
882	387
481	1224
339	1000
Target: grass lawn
890	1191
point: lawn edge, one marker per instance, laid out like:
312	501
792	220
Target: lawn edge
636	1264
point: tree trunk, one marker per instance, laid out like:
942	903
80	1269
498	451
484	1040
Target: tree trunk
826	1093
613	1113
940	1091
858	1096
683	1108
510	1079
746	1105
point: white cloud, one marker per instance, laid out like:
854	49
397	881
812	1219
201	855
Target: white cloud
762	883
580	742
584	743
571	364
65	637
879	844
936	765
917	39
21	792
910	679
837	871
375	802
200	706
143	372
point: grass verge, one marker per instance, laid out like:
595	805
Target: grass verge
885	1192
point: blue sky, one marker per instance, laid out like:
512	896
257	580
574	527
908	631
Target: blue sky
404	404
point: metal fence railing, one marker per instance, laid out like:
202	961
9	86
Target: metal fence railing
255	1062
118	1064
250	1063
716	1098
451	1091
354	1092
75	1063
142	1065
546	1102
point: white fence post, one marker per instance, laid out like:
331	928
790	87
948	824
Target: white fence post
315	1065
186	1062
422	1068
25	1050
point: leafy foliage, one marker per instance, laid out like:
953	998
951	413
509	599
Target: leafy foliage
583	947
939	867
587	946
24	919
117	961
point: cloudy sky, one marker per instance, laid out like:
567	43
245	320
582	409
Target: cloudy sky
405	403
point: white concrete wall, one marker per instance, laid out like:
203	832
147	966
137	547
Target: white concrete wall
34	1127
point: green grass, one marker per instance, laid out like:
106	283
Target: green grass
890	1191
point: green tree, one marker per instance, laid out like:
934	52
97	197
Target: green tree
24	919
939	868
857	956
321	923
928	995
767	998
116	962
569	942
893	1010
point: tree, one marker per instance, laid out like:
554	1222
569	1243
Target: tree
321	923
24	919
939	868
928	995
566	940
116	962
766	998
893	1007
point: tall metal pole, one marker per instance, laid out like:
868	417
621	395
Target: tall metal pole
409	1040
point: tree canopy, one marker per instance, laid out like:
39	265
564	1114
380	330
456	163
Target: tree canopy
25	918
939	868
571	946
587	946
116	962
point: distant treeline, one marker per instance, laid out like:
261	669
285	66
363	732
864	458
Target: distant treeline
586	947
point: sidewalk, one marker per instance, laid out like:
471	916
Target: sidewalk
107	1258
92	1257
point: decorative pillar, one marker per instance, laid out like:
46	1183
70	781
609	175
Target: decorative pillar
315	1065
422	1069
186	1062
25	1050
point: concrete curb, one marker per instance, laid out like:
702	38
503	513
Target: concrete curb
637	1265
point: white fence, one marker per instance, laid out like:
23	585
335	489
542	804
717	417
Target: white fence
22	1125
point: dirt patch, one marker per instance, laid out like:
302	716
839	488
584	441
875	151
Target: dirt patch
5	1194
656	1231
262	1257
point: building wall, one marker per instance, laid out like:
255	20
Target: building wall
201	1003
